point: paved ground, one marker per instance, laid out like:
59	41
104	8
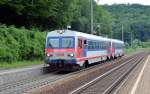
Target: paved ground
138	82
4	71
143	81
13	75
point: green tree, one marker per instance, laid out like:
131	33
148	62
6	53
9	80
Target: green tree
82	18
44	13
135	19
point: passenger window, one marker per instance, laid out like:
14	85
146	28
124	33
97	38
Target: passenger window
85	42
79	43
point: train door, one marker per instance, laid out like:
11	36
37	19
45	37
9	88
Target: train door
109	48
85	48
113	48
80	48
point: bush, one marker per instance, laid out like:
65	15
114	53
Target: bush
21	44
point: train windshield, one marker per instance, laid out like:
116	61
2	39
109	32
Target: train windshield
63	42
67	42
53	43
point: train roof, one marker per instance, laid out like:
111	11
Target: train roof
75	33
118	41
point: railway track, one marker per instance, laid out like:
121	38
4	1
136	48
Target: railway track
106	83
27	84
34	82
22	86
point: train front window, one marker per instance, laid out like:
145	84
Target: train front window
67	42
60	42
53	43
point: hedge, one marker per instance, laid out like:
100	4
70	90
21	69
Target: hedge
21	44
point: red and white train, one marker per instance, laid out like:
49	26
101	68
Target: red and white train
71	49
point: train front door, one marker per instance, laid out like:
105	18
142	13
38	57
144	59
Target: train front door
113	49
80	48
85	48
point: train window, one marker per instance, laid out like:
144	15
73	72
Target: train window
97	45
118	46
67	42
106	45
94	45
53	43
90	45
85	42
102	45
79	43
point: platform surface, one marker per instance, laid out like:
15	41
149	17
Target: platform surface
142	84
138	81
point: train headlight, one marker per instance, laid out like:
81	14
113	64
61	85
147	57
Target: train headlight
71	55
49	55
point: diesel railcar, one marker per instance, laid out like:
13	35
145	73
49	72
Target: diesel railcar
71	49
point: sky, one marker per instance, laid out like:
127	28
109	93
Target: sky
109	2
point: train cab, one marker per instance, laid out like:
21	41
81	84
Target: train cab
60	48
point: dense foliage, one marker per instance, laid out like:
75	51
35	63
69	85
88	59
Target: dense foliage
82	19
54	14
24	44
21	44
44	13
135	20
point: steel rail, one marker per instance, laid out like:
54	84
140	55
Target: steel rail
120	79
24	85
85	86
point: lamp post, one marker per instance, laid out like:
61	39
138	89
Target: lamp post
122	32
32	2
98	25
91	16
131	38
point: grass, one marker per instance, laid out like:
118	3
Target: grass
19	64
132	50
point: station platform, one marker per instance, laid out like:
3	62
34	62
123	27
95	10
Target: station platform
138	82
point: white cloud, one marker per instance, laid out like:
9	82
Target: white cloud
144	2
